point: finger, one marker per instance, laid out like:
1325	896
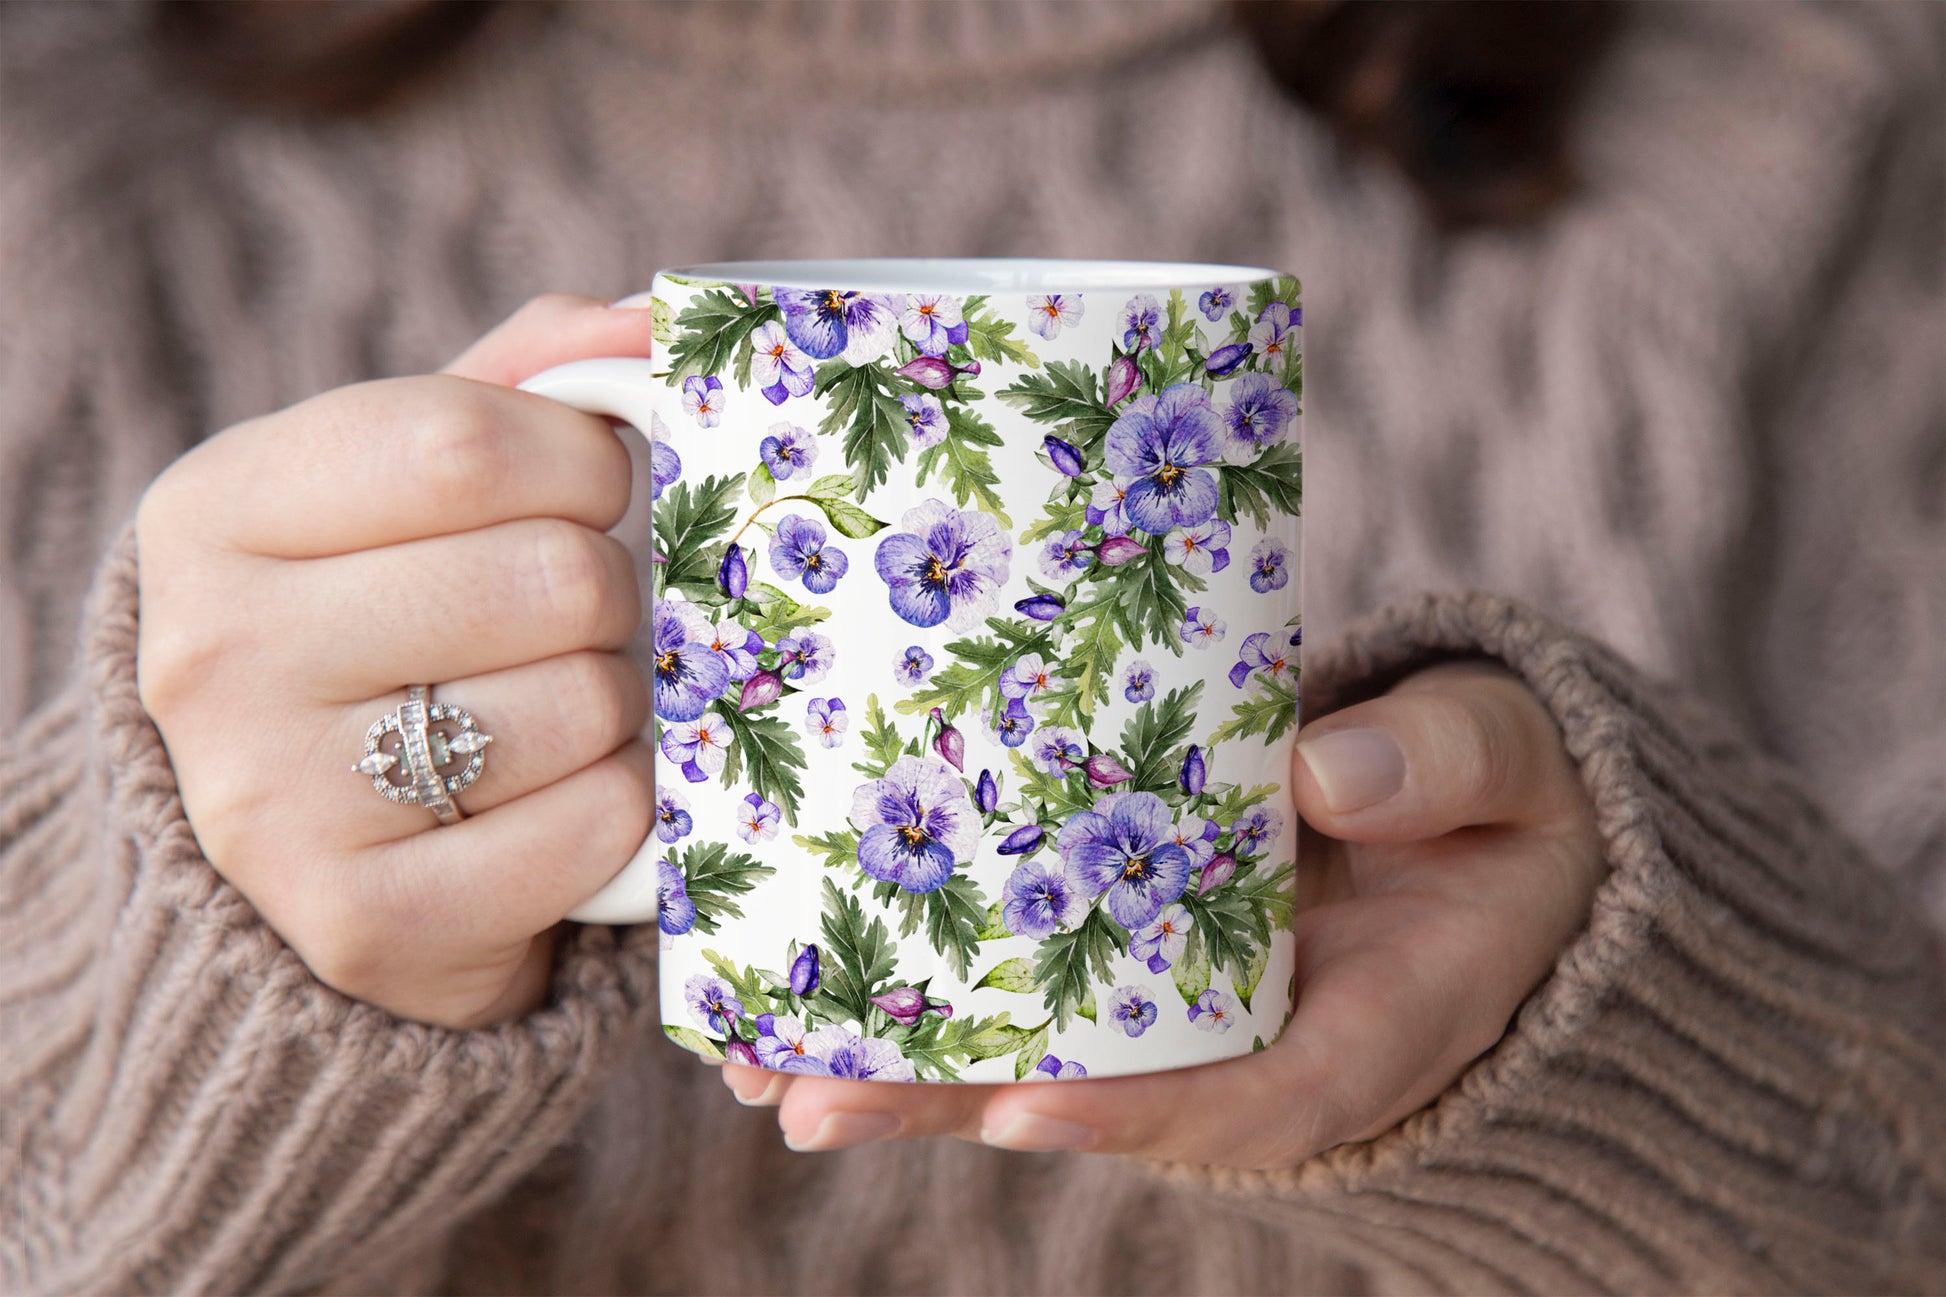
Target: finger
379	463
1450	747
756	1087
518	869
429	611
551	330
820	1114
546	719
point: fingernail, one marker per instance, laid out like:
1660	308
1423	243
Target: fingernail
1029	1132
1354	768
843	1129
633	302
753	1088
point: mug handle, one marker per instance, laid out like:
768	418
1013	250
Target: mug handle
622	388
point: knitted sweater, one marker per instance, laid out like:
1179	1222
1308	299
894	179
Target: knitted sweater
1688	434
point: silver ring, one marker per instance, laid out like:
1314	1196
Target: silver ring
407	751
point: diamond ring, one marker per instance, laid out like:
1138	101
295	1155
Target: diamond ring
410	754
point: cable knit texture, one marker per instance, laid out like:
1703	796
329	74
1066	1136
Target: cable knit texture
1689	433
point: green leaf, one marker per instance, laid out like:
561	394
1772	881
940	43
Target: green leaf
1093	650
857	958
748	984
1062	967
712	875
882	744
995	927
768	750
1272	487
1067	396
953	914
1061	796
1252	973
1062	517
1226	926
687	522
1175	363
937	1047
1154	595
1030	1051
711	328
990	338
1270	893
662	321
850	520
1269	710
1010	975
1191	972
968	468
1282	288
1256	1044
1086	1008
864	408
839	849
693	1040
976	669
777	613
762	487
1155	738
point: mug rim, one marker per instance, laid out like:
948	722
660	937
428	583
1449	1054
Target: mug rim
961	276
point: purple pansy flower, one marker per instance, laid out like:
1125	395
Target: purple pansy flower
1202	549
798	549
757	819
1028	678
827	322
1163	940
1108	506
1122	848
1057	750
913	665
788	451
1013	726
665	465
672	818
855	1058
688	675
1269	566
914	824
1260	653
1197	840
1161	442
699	746
1258	412
1255	831
712	1001
1023	841
781	1047
1063	556
933	322
777	365
825	720
1202	628
945	565
1038	900
1213	1011
702	396
737	648
1133	1007
1213	303
675	913
925	418
1048	312
1140	322
1138	684
1052	1068
1272	334
804	656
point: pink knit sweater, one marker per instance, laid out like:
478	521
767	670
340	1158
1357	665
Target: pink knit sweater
1688	434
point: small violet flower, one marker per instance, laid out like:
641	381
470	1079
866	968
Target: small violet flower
1213	303
688	675
1138	684
1161	442
1273	334
1108	507
1140	322
713	1003
1213	1011
825	322
855	1058
1052	1068
1269	566
913	665
932	322
1057	750
788	451
1260	653
1255	831
1046	314
702	397
1162	942
675	912
804	656
914	824
1258	412
826	721
1202	549
1028	678
1038	901
1013	726
1132	1008
778	366
799	549
757	819
945	565
1203	628
737	648
1122	848
925	418
1065	555
672	818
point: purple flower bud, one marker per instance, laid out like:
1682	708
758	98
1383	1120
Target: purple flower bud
1065	456
950	744
733	576
971	369
759	690
1217	872
906	1005
804	971
1193	771
1225	359
1123	378
1117	550
927	371
738	1051
1105	772
1023	841
1042	607
986	793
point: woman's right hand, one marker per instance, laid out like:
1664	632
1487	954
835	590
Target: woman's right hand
300	569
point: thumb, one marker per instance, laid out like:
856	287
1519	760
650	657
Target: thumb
551	330
1453	746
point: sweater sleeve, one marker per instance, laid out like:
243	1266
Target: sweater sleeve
1732	1080
184	1105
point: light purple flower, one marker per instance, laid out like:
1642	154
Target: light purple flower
675	913
688	675
1213	1011
777	365
925	418
1255	831
1197	840
804	656
1122	848
1214	303
1259	410
1108	506
1161	442
827	322
757	819
1140	323
933	322
1012	727
1272	335
665	465
1057	750
1063	556
782	1047
1162	941
914	825
1038	900
788	451
712	1002
700	746
703	398
1132	1008
913	665
853	1058
1202	628
1028	678
826	721
1051	1068
672	818
737	648
945	565
1269	566
1202	549
1261	653
1047	313
799	549
905	1005
1138	684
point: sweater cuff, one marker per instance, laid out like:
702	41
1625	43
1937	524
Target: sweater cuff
226	1121
1731	1079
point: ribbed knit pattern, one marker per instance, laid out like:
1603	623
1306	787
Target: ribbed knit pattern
1689	433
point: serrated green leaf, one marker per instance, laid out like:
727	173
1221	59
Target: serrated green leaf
1086	1009
1069	962
1155	738
1226	926
1067	396
1156	595
752	991
777	614
1269	892
975	671
768	749
839	849
857	957
712	876
966	467
937	1047
1252	972
954	912
1029	1052
863	407
693	1040
883	747
1271	487
1015	975
688	522
709	331
990	338
1269	710
1062	517
1191	973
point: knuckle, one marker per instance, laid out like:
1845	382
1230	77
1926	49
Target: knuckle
1485	745
456	447
176	660
623	791
570	577
594	699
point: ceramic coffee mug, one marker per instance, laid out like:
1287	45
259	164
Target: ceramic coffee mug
975	662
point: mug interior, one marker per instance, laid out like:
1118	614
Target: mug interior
965	275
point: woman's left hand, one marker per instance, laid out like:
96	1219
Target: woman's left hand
1454	857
